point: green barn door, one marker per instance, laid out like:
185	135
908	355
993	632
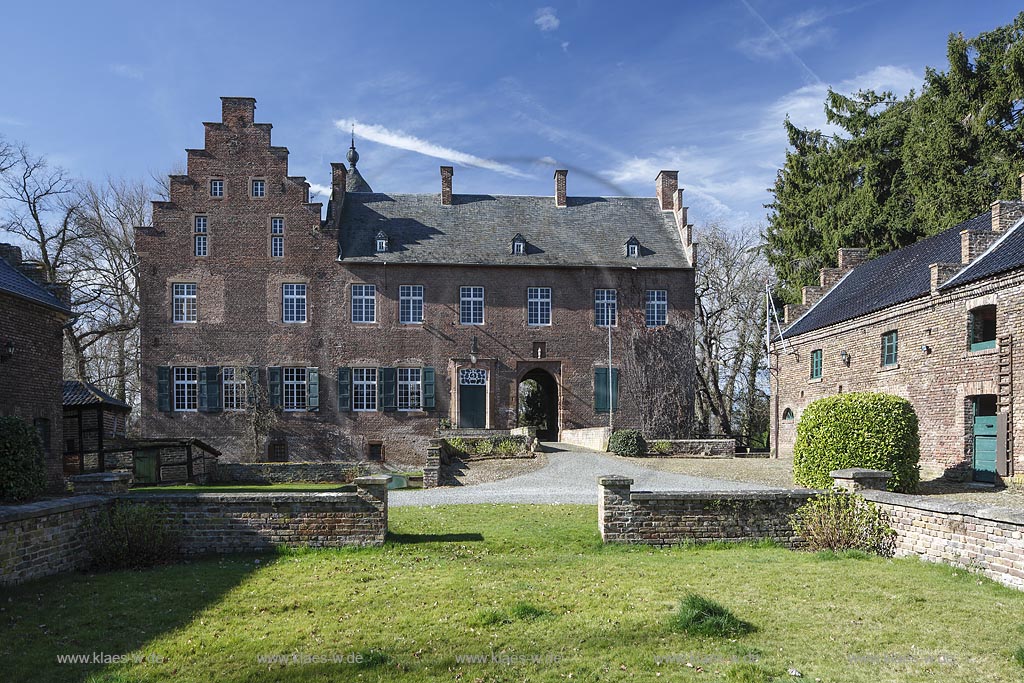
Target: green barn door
472	399
984	440
146	461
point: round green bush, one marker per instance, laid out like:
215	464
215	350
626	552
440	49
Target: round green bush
627	442
872	430
22	469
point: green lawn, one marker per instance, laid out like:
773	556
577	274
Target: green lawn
243	488
516	581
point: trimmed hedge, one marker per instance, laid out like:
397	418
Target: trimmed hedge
22	469
627	442
872	430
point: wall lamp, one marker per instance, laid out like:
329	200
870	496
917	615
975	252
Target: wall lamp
844	356
7	351
474	349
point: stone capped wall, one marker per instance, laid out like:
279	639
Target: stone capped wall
290	472
49	537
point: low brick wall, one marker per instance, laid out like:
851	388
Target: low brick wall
592	438
984	539
669	517
692	448
290	472
49	537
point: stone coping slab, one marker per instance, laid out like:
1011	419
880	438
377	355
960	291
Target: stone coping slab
995	514
770	494
14	513
239	497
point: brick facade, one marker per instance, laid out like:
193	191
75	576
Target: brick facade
239	321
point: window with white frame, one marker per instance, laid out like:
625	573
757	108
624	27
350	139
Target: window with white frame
364	303
293	303
605	307
186	389
277	237
471	305
382	244
217	188
632	250
410	388
200	237
294	389
364	389
184	302
259	188
234	388
410	304
538	305
656	313
519	247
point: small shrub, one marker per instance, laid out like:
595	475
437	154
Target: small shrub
483	447
872	430
699	616
132	536
629	442
22	469
661	447
458	445
841	521
509	446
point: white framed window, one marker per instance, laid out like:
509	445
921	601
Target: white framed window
277	237
200	238
656	310
233	382
364	389
216	187
293	303
518	247
259	188
410	304
632	250
538	306
201	245
605	307
186	390
364	303
183	296
471	305
294	381
382	244
410	388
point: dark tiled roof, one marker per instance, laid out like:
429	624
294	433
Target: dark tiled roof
84	394
354	181
1006	254
13	281
478	229
890	279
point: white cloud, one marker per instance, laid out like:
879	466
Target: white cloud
796	33
127	71
400	140
547	19
565	46
323	190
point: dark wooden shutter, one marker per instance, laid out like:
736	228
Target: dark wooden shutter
428	388
388	388
601	390
209	389
163	389
274	386
313	388
344	389
251	381
615	389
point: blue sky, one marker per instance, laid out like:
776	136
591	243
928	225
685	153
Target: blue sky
507	90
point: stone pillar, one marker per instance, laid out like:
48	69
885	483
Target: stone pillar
614	508
858	478
432	470
374	490
101	483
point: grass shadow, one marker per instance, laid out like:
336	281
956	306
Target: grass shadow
402	539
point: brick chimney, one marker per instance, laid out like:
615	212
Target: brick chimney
446	185
665	186
974	242
940	273
560	175
850	258
1005	214
238	111
11	254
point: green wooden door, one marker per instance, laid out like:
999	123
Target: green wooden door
472	399
146	462
985	448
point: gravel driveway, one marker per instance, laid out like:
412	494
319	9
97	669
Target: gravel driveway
569	477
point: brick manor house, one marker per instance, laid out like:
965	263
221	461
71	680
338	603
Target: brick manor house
398	313
939	323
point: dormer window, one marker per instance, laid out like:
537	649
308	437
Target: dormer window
518	245
382	243
632	247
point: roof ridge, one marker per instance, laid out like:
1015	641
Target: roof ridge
951	282
53	301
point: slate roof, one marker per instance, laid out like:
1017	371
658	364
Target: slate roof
84	394
16	283
477	229
893	278
1006	254
354	181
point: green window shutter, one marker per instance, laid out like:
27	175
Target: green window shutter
201	390
344	389
970	328
251	380
428	388
163	389
313	388
615	389
212	391
274	386
601	390
388	388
